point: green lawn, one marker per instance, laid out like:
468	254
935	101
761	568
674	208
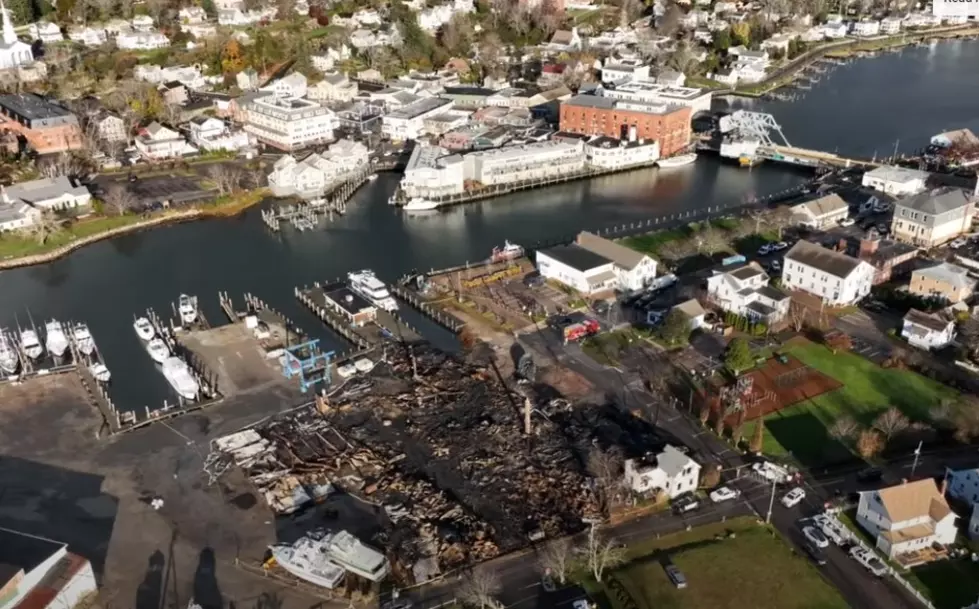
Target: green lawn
13	245
867	391
755	569
949	584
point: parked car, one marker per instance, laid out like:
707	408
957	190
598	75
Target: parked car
794	497
676	576
960	242
724	493
776	266
765	250
685	503
883	229
832	528
778	247
814	553
847	222
816	536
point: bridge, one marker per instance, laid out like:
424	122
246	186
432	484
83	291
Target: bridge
752	137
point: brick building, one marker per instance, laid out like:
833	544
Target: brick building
46	126
592	115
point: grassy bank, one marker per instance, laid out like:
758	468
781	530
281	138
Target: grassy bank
718	576
15	247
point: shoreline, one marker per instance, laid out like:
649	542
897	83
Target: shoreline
250	199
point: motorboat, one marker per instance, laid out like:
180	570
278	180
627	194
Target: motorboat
187	308
30	343
419	204
158	349
8	355
83	339
100	372
55	339
180	377
677	161
144	329
509	251
309	560
373	289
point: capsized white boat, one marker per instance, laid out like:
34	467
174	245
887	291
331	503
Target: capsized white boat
55	339
83	339
8	354
100	372
180	377
31	344
144	329
187	308
419	204
158	350
677	161
373	289
308	559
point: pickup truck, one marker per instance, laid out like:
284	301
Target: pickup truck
832	528
868	560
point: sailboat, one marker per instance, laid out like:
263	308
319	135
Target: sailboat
31	344
83	339
8	355
187	309
55	339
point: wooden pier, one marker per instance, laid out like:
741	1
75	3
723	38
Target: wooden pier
305	215
282	331
387	326
443	319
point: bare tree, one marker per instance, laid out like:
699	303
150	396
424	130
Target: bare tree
556	557
601	554
759	217
844	428
46	225
710	241
797	316
869	443
479	588
118	199
605	466
780	218
674	250
891	421
227	178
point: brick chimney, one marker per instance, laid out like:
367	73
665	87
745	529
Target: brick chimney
841	245
868	245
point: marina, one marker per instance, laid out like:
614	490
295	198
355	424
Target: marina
306	215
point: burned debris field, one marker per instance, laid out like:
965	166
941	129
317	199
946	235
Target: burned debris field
435	452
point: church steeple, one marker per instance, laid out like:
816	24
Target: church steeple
9	35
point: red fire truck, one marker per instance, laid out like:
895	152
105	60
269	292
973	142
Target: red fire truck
580	330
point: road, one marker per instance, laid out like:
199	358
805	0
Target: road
520	573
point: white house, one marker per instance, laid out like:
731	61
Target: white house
142	23
433	172
335	87
565	40
895	181
293	85
156	142
200	30
111	128
890	26
46	194
408	123
88	35
142	41
834	277
367	17
45	31
745	291
907	518
311	175
209	133
835	31
192	14
693	310
963	485
669	471
929	219
576	267
610	153
633	270
821	213
623	70
17	216
866	28
927	331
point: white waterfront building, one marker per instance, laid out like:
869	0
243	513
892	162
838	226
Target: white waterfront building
649	92
289	123
534	161
605	152
895	181
433	172
834	277
408	123
310	176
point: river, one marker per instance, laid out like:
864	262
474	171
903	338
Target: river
856	109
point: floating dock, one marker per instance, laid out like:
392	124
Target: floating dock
305	215
363	329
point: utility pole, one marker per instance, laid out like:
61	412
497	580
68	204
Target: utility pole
917	453
771	504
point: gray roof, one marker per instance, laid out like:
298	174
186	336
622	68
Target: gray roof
691	308
926	320
937	201
13	211
33	107
945	272
672	461
44	189
772	293
746	272
829	261
897	174
576	257
621	255
827	205
25	551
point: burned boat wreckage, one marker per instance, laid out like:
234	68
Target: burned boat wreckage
454	465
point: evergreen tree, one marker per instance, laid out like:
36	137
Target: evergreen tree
758	436
738	358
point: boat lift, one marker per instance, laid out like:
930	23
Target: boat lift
306	362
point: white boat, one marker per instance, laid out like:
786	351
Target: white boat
158	350
677	161
8	355
509	251
187	309
370	287
178	373
55	339
419	204
100	372
31	344
83	339
144	329
308	559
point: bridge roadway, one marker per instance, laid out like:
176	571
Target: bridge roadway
811	158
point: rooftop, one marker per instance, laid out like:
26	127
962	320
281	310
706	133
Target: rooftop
33	107
43	189
621	255
926	320
947	273
829	261
691	308
747	271
639	87
346	299
912	500
607	103
420	107
576	257
937	201
828	204
897	174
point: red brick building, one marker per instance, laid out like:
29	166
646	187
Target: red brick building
594	115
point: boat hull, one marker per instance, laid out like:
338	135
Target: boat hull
677	161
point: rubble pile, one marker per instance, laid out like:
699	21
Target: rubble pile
440	446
